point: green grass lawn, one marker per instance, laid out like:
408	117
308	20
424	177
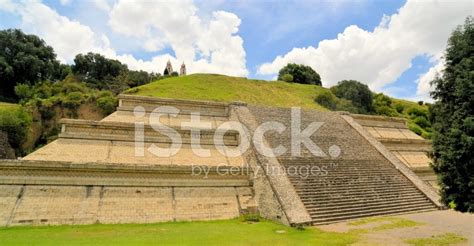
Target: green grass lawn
223	88
226	232
4	105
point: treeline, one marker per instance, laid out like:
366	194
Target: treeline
27	60
356	97
31	75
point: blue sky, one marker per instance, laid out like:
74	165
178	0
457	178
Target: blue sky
393	46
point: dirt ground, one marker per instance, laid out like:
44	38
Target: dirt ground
429	224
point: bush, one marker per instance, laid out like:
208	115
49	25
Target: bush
107	102
287	77
415	128
399	108
73	100
422	122
15	122
416	112
383	105
327	100
301	74
24	91
346	105
357	92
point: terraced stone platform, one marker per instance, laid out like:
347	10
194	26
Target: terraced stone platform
409	148
93	173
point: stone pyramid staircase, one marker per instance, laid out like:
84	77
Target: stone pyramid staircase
362	181
353	189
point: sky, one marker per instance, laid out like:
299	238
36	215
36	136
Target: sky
394	46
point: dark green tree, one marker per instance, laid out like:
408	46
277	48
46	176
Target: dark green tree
301	74
355	91
94	67
24	59
452	116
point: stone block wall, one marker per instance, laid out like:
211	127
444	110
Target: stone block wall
54	205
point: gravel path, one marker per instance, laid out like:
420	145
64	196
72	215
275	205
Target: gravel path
433	223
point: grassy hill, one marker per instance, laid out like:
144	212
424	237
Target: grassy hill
222	88
214	87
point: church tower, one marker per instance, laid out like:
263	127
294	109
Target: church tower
168	69
182	70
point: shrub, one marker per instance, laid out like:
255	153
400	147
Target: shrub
383	105
415	128
24	91
73	100
415	111
399	108
346	105
287	77
107	103
15	122
69	87
357	92
327	100
422	121
301	74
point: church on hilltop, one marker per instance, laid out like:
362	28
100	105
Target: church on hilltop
169	69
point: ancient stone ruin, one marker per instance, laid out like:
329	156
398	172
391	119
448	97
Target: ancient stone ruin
93	172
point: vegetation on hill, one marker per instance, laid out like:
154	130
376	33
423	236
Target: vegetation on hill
223	88
15	122
453	120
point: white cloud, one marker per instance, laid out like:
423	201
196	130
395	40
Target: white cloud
211	47
68	37
424	87
65	2
380	56
205	46
102	5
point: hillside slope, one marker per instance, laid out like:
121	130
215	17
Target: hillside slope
222	88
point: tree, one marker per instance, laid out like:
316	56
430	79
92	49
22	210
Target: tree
24	59
452	116
355	91
101	72
301	74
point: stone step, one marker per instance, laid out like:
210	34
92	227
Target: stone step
325	186
363	190
369	212
350	200
311	188
366	205
324	182
129	102
102	130
399	211
331	173
343	198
